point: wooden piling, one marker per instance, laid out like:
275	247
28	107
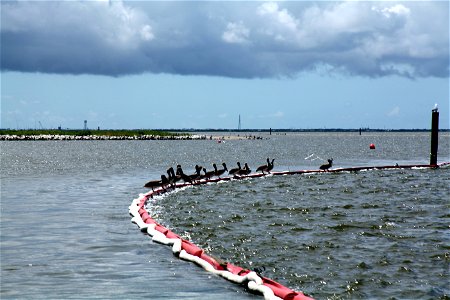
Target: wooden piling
434	136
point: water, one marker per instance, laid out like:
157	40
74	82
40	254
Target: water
66	232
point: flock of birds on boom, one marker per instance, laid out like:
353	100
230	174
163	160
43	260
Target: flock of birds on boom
174	176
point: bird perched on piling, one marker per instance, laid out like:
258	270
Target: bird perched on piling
325	167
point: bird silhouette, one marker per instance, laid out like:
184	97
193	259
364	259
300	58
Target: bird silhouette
325	167
235	170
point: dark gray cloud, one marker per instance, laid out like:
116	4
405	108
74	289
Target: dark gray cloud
232	39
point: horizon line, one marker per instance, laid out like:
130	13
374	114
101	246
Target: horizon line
240	130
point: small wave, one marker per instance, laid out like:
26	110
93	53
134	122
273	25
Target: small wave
300	229
344	227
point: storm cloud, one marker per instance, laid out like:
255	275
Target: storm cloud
230	39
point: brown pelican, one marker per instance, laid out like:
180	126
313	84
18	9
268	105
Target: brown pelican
207	175
221	171
327	166
235	170
270	166
197	175
157	183
183	176
264	167
245	171
172	177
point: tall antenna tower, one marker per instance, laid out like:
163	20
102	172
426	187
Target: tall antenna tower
239	124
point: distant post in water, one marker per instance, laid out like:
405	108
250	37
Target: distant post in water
434	135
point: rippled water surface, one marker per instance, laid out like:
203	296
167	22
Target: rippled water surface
66	232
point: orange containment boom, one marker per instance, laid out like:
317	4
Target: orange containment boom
188	251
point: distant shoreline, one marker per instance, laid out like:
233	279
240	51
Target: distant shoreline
302	130
167	134
171	131
68	134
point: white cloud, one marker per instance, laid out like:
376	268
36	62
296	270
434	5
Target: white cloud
280	17
146	33
236	33
276	23
397	9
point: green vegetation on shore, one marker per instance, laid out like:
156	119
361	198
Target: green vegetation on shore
79	132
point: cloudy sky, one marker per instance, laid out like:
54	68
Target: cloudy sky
178	64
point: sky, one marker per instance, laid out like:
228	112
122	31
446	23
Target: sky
201	64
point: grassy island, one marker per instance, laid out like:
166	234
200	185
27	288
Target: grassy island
80	132
109	134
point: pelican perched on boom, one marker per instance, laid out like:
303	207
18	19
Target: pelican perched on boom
325	167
